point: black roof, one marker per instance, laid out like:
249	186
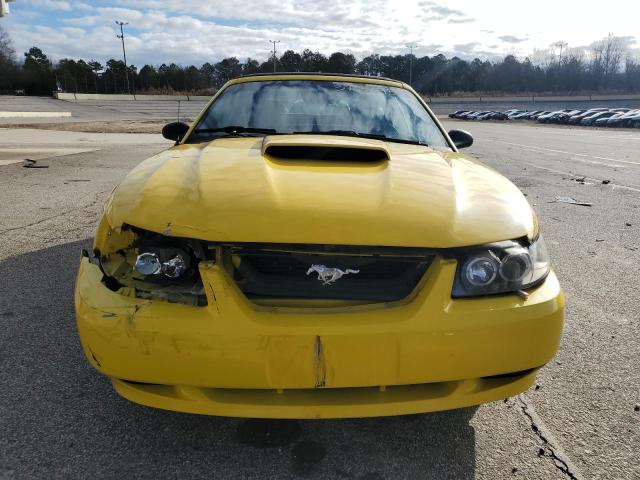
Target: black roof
353	75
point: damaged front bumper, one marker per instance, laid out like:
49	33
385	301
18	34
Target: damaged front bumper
236	358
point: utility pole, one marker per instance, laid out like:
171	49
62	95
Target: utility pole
4	8
124	52
561	44
274	53
411	47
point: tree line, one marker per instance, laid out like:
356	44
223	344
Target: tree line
607	67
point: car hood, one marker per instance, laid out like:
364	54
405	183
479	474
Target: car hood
229	190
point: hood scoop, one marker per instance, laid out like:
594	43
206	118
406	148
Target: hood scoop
324	148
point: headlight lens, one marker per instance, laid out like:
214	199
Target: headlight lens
480	271
148	264
174	267
500	268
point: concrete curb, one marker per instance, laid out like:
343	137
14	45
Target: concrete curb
120	98
532	99
443	100
34	114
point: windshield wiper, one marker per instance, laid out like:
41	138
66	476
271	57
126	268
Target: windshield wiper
374	136
235	130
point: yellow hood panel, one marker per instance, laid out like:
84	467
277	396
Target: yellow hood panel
226	190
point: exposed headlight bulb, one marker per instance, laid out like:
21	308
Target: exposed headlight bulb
174	267
148	264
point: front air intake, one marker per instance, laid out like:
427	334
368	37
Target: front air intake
327	148
327	154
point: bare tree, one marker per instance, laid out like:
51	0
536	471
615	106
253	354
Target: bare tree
8	67
607	57
543	57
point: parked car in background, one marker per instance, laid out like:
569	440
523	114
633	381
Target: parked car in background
619	121
632	121
457	113
514	113
537	115
577	118
553	116
600	117
602	121
590	120
564	118
521	115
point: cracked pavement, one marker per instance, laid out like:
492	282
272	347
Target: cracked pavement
63	420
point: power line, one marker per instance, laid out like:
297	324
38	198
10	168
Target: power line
124	53
4	7
274	53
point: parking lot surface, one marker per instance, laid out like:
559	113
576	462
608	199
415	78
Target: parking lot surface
100	110
62	420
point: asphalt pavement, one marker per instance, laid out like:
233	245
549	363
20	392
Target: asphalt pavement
61	419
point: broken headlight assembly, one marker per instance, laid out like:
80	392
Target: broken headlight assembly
155	266
504	267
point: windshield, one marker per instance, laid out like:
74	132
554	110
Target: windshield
312	106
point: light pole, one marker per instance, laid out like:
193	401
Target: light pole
411	47
124	53
561	44
4	7
274	53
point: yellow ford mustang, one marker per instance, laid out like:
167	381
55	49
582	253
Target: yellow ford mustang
314	246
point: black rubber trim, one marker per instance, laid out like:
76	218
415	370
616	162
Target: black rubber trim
320	74
520	373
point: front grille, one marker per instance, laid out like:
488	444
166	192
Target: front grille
265	274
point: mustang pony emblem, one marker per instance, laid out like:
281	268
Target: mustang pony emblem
328	275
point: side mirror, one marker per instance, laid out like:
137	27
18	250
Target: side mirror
460	138
175	131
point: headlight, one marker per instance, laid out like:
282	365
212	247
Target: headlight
500	268
150	265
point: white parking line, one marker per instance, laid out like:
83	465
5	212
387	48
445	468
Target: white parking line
569	174
34	114
542	149
575	159
590	134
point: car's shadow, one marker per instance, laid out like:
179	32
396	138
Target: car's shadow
60	418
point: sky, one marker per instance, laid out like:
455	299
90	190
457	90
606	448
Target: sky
198	31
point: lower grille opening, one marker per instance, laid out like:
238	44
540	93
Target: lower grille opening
276	276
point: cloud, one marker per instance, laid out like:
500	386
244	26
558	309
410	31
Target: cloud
168	31
432	11
513	39
440	9
198	31
49	4
461	20
466	47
